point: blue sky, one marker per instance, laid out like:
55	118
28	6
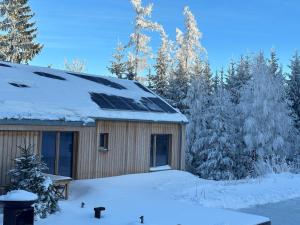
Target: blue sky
90	29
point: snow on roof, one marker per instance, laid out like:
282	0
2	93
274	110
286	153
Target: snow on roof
30	92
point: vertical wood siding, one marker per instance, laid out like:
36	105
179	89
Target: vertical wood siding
9	142
129	147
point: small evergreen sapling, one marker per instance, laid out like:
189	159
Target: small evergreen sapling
27	175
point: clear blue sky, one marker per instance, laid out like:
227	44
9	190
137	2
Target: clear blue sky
90	29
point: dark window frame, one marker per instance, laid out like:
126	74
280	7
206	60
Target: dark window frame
103	141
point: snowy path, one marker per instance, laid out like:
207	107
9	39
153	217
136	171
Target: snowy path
281	213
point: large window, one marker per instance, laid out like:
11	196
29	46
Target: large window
58	152
160	149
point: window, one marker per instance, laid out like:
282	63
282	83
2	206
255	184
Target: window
103	141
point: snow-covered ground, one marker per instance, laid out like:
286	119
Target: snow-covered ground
171	197
163	198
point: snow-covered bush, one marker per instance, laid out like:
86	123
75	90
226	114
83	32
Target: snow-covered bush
27	175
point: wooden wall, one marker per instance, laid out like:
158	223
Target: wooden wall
129	147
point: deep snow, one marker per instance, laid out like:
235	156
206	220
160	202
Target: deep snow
159	196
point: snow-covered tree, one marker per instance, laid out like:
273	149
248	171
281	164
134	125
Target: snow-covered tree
118	65
17	32
267	127
238	76
139	41
76	65
273	63
162	66
27	175
197	100
189	47
187	62
211	144
294	88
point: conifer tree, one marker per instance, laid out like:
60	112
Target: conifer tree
162	66
27	175
17	32
138	44
118	66
273	63
294	88
238	76
267	127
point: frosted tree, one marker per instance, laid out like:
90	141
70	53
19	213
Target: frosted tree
219	156
188	54
118	66
273	63
294	88
238	76
27	175
267	127
198	101
17	32
162	66
139	41
76	65
189	47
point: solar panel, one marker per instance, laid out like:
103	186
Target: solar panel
105	101
99	80
18	85
142	87
101	101
4	65
167	108
151	105
48	75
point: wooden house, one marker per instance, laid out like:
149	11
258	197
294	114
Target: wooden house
86	126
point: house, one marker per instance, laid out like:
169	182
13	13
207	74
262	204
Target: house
86	126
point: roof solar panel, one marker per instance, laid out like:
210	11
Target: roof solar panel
151	105
48	75
101	101
105	101
162	104
18	85
142	87
99	80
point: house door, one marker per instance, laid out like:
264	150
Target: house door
160	149
58	152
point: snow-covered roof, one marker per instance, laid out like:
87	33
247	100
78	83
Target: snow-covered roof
30	92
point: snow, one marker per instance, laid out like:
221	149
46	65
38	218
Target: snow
160	168
69	100
19	195
152	195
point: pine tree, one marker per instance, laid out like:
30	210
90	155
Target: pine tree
140	50
162	66
238	76
267	128
273	63
27	175
118	66
197	100
17	32
187	61
294	88
219	157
